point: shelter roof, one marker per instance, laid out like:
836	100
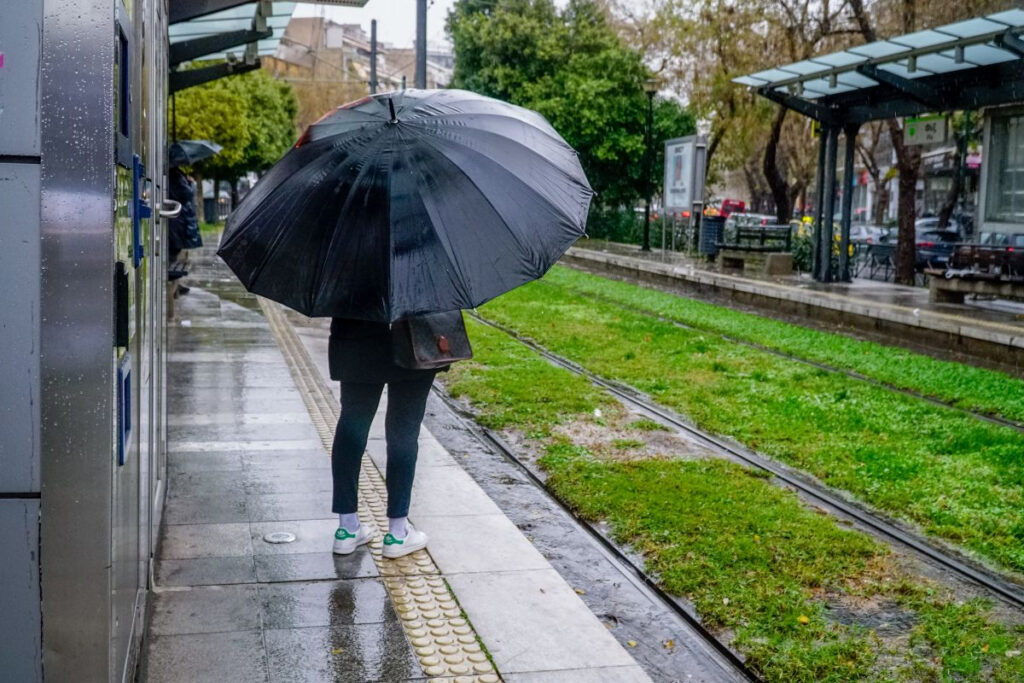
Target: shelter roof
238	18
965	65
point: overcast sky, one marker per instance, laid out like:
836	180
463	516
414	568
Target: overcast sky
396	19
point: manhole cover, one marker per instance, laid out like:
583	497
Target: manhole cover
279	537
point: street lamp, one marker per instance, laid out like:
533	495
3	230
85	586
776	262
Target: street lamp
650	87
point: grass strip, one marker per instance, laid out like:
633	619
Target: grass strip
763	570
957	477
978	389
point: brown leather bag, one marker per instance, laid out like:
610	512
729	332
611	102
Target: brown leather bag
431	341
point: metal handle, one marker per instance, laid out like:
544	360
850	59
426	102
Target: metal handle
173	211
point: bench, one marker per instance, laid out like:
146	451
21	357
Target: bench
765	249
978	269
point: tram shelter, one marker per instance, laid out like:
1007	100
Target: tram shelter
968	65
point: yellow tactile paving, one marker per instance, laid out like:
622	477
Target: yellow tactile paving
445	643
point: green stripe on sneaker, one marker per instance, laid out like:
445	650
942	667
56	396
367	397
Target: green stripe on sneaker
391	540
342	534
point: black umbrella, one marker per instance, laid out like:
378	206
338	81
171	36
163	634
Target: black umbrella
188	152
410	202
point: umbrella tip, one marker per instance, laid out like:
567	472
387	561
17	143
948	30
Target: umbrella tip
391	106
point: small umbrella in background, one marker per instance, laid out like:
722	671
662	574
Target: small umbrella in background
412	202
188	152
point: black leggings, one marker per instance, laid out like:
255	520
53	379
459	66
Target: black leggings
406	403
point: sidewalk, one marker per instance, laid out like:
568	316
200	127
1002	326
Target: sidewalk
249	413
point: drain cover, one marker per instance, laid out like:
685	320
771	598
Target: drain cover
279	537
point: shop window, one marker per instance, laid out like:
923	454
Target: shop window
1004	201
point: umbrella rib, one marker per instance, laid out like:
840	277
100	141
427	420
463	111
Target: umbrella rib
464	286
370	165
487	199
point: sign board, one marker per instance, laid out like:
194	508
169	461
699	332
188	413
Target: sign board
925	130
684	173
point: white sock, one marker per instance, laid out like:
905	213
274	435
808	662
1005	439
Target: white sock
397	527
349	521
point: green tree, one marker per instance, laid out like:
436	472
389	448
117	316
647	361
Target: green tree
252	116
573	68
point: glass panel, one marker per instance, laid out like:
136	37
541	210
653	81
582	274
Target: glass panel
882	48
1004	200
1013	17
983	55
856	80
840	59
900	69
774	75
971	27
923	39
747	80
938	64
805	67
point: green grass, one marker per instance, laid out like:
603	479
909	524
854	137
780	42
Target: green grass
959	478
755	562
974	388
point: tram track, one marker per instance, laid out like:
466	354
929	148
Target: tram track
629	569
853	374
960	567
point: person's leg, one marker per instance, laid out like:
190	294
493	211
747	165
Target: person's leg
406	404
358	405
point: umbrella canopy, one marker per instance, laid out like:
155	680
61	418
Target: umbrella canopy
411	202
188	152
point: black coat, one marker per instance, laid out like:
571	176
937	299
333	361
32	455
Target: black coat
360	351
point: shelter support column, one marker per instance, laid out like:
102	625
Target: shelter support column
850	134
827	203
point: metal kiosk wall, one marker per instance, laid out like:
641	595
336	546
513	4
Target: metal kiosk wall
82	90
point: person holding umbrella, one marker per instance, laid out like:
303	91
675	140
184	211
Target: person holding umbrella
390	215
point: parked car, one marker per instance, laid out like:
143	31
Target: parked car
866	234
731	206
932	223
934	247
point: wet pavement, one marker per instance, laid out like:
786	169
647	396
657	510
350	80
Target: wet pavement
246	460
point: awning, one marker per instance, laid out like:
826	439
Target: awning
964	65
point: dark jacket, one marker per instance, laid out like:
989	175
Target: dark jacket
182	231
360	351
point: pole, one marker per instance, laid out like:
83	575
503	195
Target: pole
174	117
962	172
847	207
647	178
819	201
373	56
829	208
421	43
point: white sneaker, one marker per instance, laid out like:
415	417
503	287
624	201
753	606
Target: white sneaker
345	542
400	547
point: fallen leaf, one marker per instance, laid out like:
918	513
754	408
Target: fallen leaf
337	651
984	648
631	643
580	591
803	619
725	601
669	644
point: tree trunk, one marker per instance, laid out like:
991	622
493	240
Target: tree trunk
954	190
907	214
908	163
234	194
776	181
882	199
200	204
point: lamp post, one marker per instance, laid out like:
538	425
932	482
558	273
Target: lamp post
650	87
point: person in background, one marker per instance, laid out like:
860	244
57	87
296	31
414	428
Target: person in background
183	230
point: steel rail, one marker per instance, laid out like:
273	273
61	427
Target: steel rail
1006	590
853	374
626	566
